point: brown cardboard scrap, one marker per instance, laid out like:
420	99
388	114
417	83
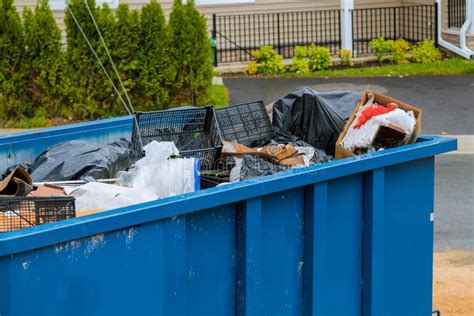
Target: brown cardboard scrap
368	98
48	190
17	183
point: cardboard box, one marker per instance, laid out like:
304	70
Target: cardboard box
382	100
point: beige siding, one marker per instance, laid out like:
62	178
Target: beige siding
259	6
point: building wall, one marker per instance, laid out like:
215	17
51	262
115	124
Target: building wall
259	6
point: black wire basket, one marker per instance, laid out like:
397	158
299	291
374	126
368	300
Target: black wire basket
194	131
246	123
23	212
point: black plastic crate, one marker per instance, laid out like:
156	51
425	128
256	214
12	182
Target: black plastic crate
246	123
23	212
194	132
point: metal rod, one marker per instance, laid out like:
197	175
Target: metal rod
72	182
108	54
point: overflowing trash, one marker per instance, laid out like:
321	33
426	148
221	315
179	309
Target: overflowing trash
194	131
378	123
184	150
17	182
152	177
78	159
313	117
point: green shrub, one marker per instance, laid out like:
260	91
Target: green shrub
12	82
346	57
400	51
192	53
382	48
319	58
299	66
91	89
157	70
44	61
425	52
252	68
40	81
123	45
300	63
268	61
201	70
301	52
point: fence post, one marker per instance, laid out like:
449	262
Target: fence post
449	13
214	38
278	34
346	24
395	24
436	23
352	29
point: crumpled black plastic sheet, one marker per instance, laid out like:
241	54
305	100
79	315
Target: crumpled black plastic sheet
314	117
77	159
253	167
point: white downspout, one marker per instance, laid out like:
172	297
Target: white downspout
466	26
464	51
346	24
471	31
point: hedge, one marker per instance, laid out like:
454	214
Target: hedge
160	64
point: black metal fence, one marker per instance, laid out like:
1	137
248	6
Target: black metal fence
456	13
239	35
412	23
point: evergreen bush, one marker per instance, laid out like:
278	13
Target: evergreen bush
12	82
43	62
156	67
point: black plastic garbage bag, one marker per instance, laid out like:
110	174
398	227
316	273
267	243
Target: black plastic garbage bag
249	167
316	118
78	159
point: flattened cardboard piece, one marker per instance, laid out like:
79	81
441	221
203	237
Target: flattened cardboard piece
88	212
379	98
280	154
17	183
48	190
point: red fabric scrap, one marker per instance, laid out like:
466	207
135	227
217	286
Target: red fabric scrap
374	110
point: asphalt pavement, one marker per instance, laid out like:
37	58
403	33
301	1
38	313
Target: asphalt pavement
448	107
447	101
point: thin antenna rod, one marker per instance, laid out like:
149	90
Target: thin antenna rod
98	59
108	54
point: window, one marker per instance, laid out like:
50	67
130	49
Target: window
213	2
61	4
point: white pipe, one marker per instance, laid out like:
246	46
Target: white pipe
472	16
346	24
463	52
465	27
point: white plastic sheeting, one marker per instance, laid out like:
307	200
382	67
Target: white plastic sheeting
153	177
363	136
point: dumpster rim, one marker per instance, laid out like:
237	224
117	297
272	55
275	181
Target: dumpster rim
137	214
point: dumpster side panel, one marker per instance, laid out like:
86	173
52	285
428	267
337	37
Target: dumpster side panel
333	237
169	267
399	242
21	147
282	252
270	254
5	276
211	261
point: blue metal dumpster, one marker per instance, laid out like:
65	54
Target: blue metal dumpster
349	237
